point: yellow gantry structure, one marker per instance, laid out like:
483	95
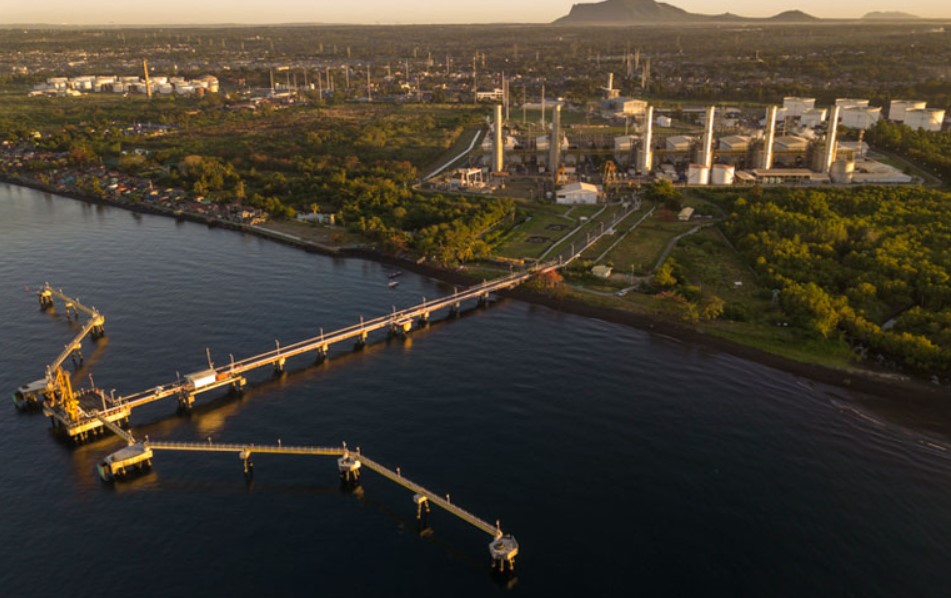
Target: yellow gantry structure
56	386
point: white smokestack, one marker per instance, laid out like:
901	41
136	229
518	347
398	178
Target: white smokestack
554	147
770	138
707	157
829	157
646	162
498	147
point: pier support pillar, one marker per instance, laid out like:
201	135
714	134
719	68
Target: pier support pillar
349	468
238	384
46	299
185	402
322	354
503	550
455	309
424	319
247	464
361	341
279	366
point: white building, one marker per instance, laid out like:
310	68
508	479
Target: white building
898	108
664	121
860	117
798	106
578	193
624	107
929	119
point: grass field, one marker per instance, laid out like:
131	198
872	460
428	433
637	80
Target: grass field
516	243
643	247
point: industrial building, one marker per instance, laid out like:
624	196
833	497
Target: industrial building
620	107
578	193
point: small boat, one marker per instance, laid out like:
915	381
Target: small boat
393	284
394	274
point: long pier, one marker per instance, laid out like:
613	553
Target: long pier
503	548
232	374
63	406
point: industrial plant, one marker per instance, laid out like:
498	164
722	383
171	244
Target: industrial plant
796	143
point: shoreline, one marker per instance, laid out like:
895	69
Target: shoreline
857	380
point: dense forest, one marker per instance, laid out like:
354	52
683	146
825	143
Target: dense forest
872	263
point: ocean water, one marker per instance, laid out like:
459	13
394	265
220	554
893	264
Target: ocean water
624	463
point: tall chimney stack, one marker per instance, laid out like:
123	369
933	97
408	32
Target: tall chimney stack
498	148
767	160
829	157
646	157
706	158
554	146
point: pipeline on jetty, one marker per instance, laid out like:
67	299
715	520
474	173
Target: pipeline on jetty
137	456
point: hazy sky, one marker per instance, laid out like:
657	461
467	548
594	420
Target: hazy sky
398	11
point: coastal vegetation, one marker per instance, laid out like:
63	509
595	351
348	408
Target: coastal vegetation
870	265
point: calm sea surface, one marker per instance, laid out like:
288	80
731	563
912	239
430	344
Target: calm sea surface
625	464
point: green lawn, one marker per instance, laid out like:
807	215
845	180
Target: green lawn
644	246
516	243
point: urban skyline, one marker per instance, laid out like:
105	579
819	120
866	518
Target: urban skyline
100	12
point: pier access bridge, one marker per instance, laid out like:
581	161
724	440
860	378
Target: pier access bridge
78	424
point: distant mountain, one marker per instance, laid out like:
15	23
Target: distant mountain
623	12
793	16
634	12
890	15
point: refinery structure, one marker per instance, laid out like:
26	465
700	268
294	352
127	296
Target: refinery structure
796	143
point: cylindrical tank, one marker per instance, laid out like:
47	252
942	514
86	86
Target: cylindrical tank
698	174
842	171
723	174
898	108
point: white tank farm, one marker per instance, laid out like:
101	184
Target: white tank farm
722	174
929	119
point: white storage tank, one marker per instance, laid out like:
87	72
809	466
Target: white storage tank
860	117
798	106
723	174
898	108
929	119
698	174
842	171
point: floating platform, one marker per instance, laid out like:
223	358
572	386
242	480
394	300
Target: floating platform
30	395
136	457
